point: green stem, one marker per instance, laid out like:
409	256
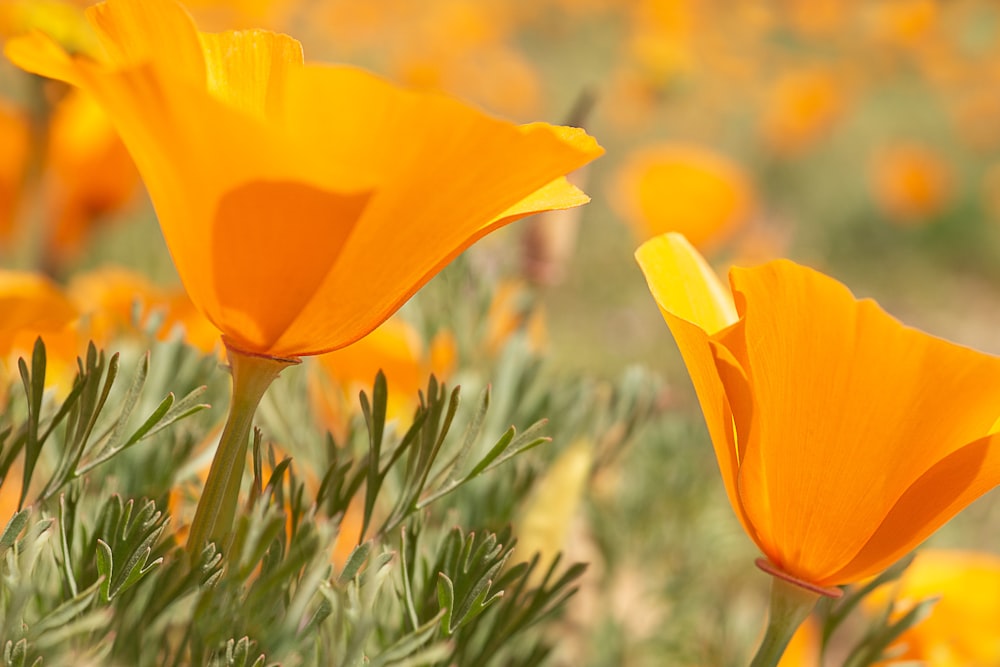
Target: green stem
791	603
213	519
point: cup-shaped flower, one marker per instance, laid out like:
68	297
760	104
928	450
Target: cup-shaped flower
844	438
302	204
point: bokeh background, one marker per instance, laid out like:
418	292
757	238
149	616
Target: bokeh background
861	137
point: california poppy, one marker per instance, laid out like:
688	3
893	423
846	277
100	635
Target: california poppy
910	183
90	174
32	306
844	438
800	109
683	188
302	204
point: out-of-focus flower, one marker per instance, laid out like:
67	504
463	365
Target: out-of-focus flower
86	170
113	301
816	18
90	174
800	108
396	349
109	299
844	438
547	516
661	38
31	305
686	189
15	138
496	77
462	47
374	179
910	183
903	23
961	628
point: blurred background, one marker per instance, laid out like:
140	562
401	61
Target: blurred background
859	137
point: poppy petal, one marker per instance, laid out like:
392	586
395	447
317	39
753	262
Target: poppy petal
468	173
247	68
695	304
848	406
163	33
265	273
938	495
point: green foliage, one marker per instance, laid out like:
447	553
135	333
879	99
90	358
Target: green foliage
91	573
87	438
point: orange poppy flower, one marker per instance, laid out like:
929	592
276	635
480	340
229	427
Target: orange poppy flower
31	305
904	23
844	438
910	183
107	299
91	173
687	189
800	109
302	204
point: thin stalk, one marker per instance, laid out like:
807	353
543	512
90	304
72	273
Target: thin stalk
791	602
213	519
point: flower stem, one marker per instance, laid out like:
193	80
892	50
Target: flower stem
790	605
213	519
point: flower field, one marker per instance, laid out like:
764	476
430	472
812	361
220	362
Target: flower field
500	332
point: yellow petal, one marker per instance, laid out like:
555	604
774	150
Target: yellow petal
558	195
41	55
247	68
684	285
695	305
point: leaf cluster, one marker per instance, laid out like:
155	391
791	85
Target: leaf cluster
90	573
